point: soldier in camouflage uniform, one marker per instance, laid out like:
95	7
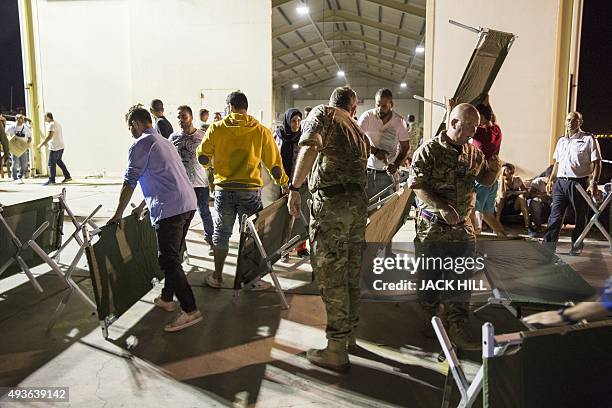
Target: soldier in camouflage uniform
335	151
442	175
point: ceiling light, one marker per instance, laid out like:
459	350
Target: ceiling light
303	9
403	85
419	49
295	86
340	73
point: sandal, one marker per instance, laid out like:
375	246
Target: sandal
214	282
260	285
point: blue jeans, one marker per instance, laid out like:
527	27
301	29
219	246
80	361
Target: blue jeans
202	195
55	158
228	204
22	161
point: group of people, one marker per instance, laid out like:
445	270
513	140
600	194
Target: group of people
341	163
19	135
577	161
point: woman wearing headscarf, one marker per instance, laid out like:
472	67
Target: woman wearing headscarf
287	138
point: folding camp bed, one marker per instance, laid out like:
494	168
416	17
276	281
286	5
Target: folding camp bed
595	218
553	367
487	58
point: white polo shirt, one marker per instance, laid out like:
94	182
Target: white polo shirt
575	154
57	141
385	136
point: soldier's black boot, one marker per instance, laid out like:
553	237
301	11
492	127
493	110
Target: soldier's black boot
333	357
458	329
431	310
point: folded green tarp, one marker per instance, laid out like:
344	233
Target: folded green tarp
123	265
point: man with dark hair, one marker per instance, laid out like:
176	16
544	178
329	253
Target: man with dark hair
186	142
23	139
307	110
154	163
389	139
238	144
217	117
204	115
162	125
577	162
487	139
55	139
333	155
6	154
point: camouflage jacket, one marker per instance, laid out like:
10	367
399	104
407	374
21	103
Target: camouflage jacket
449	172
343	148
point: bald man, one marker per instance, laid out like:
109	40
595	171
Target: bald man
442	175
577	162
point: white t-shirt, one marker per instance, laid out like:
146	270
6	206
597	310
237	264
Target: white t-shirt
383	136
539	184
57	141
20	131
575	154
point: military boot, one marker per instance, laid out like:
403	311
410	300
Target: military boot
430	310
458	329
333	357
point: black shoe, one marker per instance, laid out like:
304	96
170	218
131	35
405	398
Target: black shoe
49	183
461	336
66	180
303	253
576	251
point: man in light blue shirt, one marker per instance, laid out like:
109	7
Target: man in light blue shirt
155	164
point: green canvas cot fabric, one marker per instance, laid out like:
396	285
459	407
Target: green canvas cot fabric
123	265
482	68
275	227
24	219
567	367
528	272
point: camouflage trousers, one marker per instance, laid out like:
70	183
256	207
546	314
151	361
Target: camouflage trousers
337	234
451	244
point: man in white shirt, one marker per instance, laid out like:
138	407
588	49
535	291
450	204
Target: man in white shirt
55	139
389	142
21	131
577	162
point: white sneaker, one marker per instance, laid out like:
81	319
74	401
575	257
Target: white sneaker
19	181
183	321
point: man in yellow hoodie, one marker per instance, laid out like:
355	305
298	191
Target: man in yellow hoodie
237	145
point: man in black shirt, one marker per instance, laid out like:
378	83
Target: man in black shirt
162	125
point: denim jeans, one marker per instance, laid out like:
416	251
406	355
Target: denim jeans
55	157
22	161
202	195
228	204
171	233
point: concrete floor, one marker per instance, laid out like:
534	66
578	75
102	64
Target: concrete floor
247	352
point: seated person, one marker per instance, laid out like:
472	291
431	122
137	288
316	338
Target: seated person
538	203
511	197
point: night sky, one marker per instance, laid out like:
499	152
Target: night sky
11	69
594	88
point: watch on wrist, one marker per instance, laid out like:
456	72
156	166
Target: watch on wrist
564	316
293	188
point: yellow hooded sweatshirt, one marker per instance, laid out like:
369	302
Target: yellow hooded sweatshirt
237	145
